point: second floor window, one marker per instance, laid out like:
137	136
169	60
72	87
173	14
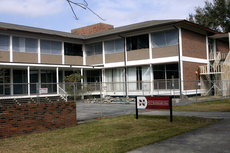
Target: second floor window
114	46
93	49
4	42
72	49
165	38
51	47
137	42
25	45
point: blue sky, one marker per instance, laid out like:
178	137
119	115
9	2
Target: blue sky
57	14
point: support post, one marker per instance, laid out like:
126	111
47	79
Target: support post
170	103
101	99
28	79
136	109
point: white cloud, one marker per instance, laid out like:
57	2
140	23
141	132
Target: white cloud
56	14
32	8
120	12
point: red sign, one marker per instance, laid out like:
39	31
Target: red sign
153	102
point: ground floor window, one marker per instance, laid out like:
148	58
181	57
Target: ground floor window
115	79
93	76
20	81
166	76
139	78
4	81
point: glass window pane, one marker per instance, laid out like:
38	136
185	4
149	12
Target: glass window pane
4	42
98	48
45	47
159	75
171	67
56	48
109	47
158	39
19	44
171	37
159	67
16	47
119	45
132	78
143	41
172	74
89	50
51	47
72	49
31	45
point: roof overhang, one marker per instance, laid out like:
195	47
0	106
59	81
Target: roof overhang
218	36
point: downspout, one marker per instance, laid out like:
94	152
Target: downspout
126	88
179	65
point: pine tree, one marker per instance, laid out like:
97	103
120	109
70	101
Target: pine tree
214	15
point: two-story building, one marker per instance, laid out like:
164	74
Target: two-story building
158	57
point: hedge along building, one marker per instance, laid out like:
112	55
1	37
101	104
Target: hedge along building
153	57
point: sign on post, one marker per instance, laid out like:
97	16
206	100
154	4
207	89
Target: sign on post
154	103
43	90
105	87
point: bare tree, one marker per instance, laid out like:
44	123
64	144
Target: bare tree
83	5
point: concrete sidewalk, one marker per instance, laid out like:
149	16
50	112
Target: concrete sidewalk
213	138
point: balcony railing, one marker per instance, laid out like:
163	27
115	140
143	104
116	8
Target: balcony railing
213	55
205	69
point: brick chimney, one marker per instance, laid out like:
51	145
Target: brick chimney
92	29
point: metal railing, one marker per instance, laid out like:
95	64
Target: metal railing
109	98
62	93
205	69
214	55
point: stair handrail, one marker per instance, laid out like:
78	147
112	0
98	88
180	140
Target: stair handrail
227	59
217	61
63	93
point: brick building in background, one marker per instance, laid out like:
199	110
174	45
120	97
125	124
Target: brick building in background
152	57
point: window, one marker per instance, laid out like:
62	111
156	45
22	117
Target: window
210	45
115	79
165	38
139	77
93	49
114	46
166	76
73	49
51	47
93	76
4	42
137	42
25	45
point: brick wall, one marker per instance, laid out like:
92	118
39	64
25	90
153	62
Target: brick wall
189	75
193	44
222	46
92	29
26	119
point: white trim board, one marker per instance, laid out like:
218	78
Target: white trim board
194	60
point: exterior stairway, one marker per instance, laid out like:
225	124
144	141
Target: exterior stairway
223	70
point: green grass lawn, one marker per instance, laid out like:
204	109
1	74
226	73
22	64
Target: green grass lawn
113	134
212	106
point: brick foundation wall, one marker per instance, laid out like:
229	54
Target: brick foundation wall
222	46
193	44
190	78
26	119
92	29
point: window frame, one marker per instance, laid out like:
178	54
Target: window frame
51	50
164	37
93	49
8	43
